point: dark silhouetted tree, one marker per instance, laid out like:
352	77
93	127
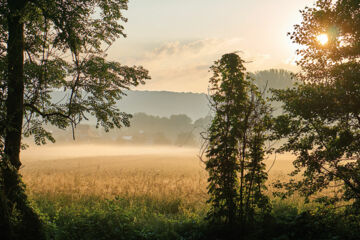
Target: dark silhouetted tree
236	144
51	45
322	114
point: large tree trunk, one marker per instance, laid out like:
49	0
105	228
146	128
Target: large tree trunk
15	98
14	190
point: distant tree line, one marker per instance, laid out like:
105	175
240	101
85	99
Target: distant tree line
178	130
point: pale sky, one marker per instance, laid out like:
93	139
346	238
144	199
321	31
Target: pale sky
178	40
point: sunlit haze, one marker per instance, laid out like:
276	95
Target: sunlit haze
177	41
323	38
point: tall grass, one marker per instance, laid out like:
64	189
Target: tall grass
153	196
129	197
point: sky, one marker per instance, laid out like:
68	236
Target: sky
178	40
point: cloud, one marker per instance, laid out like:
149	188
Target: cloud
184	65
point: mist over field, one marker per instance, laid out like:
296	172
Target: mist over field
141	157
163	175
56	152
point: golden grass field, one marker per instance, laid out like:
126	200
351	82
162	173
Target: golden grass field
107	171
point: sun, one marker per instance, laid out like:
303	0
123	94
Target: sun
322	38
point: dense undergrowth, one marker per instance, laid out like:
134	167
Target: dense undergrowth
148	218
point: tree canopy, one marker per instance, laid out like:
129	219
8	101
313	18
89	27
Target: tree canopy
55	45
322	114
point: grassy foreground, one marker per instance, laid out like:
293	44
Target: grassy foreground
119	218
149	218
157	196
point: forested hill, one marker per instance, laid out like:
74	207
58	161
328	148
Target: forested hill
165	104
194	105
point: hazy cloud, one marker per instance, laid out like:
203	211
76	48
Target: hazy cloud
184	65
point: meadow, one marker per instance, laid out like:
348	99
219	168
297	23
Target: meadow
131	172
114	192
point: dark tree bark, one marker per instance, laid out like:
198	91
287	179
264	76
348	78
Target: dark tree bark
30	226
6	229
15	98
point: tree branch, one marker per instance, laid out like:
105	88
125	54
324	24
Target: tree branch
47	115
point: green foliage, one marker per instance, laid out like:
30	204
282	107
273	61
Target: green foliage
235	150
321	120
18	218
120	218
55	46
64	52
149	218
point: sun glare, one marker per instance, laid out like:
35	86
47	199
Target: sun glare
322	38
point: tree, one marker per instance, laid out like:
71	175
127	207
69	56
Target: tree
273	78
236	140
52	46
322	115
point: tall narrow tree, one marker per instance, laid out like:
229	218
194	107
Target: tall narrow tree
236	140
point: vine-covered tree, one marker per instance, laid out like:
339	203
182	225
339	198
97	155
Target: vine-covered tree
236	144
54	45
322	114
